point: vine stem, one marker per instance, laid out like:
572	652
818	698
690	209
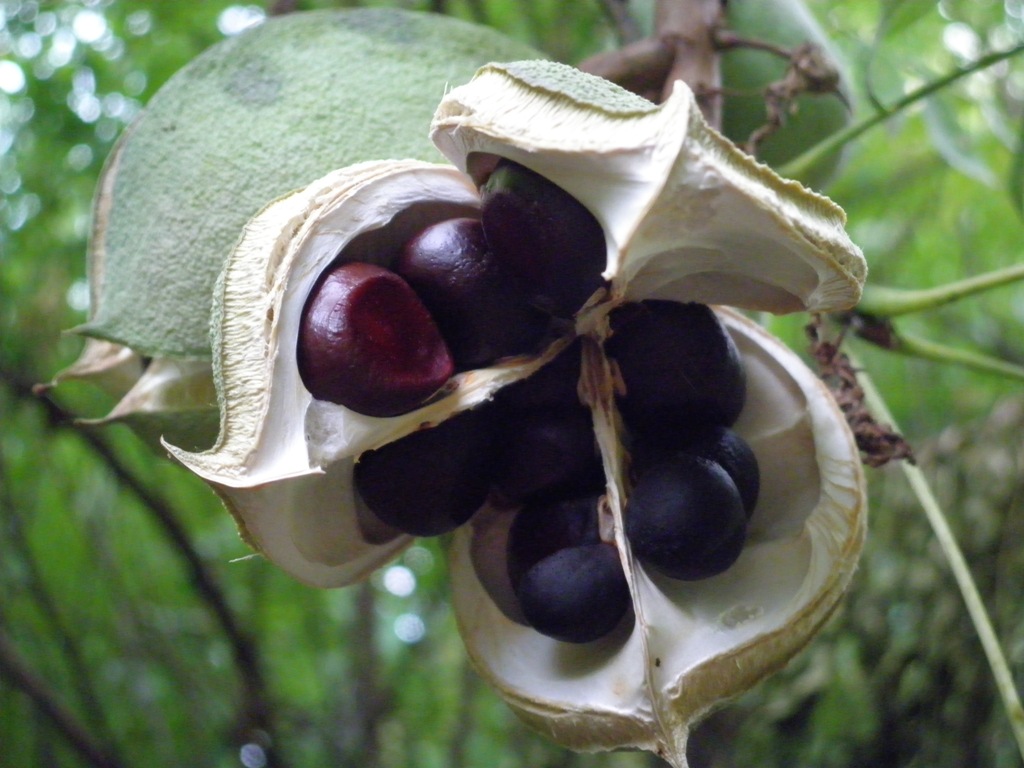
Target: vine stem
961	572
882	301
807	159
915	346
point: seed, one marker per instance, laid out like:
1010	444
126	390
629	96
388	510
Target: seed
544	236
680	368
431	481
482	312
547	454
367	342
719	444
540	530
577	595
685	518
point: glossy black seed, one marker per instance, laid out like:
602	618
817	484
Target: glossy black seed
431	481
549	453
719	444
484	314
367	342
685	518
540	530
577	595
544	236
679	365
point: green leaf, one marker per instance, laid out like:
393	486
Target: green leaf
249	120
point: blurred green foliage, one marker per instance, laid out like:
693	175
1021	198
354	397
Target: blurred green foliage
132	610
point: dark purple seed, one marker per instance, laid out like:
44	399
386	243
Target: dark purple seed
577	595
367	342
719	444
547	454
540	530
483	313
554	386
431	481
544	236
685	518
680	368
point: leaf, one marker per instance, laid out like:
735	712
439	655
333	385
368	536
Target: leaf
246	122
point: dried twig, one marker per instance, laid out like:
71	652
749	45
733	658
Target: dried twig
878	443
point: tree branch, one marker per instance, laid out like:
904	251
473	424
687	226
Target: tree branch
20	675
682	47
258	710
690	26
88	700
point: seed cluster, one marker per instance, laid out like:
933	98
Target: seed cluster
466	292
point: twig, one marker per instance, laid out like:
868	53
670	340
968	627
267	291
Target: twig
20	675
882	301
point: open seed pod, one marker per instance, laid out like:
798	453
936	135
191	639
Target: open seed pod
685	218
252	118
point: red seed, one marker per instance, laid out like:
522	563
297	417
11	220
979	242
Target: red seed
367	342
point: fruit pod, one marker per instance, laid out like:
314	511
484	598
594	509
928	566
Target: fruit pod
283	460
254	117
692	644
685	217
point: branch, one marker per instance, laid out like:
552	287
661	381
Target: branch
20	675
258	710
683	47
88	700
799	165
690	27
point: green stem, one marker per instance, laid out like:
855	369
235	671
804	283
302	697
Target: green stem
881	301
958	565
915	346
801	164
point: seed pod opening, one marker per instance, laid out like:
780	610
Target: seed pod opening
685	218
